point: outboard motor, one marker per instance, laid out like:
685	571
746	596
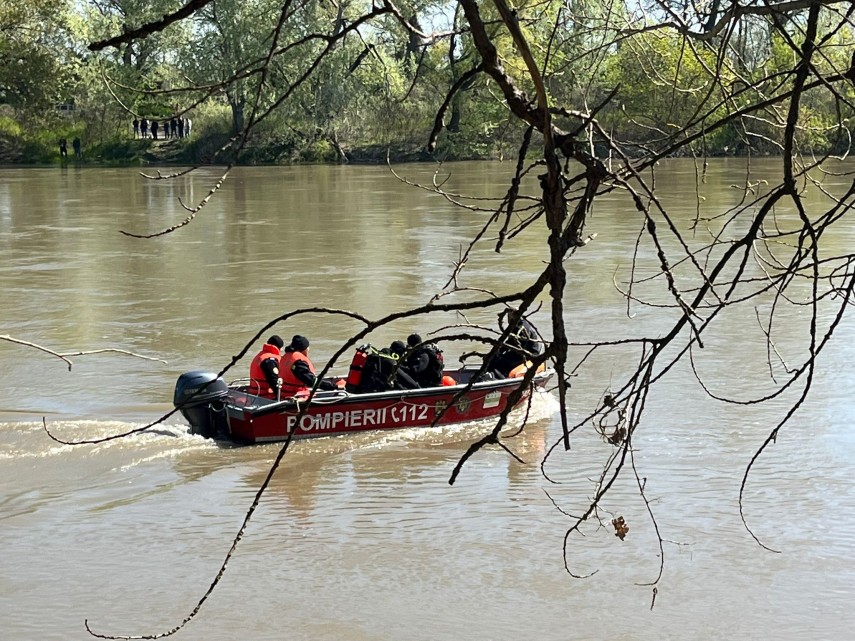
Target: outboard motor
201	398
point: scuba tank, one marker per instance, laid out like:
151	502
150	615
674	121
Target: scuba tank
354	376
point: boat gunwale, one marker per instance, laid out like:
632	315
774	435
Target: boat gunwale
341	397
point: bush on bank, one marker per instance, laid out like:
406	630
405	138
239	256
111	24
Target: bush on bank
42	147
36	142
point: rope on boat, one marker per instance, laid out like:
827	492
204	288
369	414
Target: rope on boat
340	394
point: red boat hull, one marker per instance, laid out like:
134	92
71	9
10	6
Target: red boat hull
256	420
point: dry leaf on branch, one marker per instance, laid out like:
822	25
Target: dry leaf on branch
621	527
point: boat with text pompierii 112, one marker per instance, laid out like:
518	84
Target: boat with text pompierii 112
222	411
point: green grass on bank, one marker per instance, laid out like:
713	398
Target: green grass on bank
42	148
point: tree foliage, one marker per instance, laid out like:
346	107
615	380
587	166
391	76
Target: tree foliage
328	74
37	62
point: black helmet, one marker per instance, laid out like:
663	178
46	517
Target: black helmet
398	348
299	343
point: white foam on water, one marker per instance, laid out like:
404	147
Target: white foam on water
543	406
30	441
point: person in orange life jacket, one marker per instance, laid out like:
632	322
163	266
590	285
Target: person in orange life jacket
298	372
264	377
425	362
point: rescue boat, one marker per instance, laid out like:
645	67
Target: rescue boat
221	411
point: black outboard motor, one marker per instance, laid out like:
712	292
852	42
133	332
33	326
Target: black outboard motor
201	398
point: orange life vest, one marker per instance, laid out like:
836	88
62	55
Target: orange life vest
258	384
520	370
291	385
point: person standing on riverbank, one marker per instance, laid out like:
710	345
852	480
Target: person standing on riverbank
76	145
144	128
136	128
63	148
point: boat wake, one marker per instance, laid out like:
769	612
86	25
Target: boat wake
543	407
28	440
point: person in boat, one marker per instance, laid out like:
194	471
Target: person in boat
374	370
425	362
264	377
403	376
523	342
297	370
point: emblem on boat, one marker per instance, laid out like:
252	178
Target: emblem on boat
462	405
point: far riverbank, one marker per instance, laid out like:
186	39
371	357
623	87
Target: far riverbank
207	149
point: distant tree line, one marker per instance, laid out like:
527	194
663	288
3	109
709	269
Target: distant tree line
349	82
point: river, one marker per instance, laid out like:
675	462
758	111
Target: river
361	538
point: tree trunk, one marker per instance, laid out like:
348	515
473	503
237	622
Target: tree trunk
454	122
238	120
342	156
